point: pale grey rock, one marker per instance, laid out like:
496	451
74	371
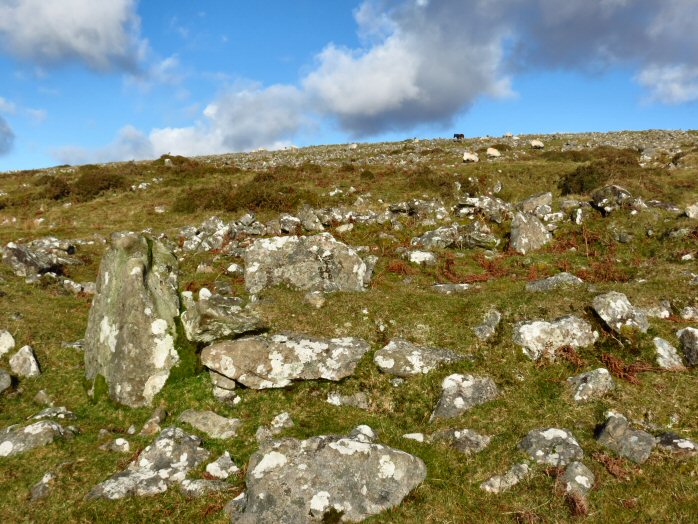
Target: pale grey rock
405	359
577	478
689	313
441	238
221	381
469	157
164	462
536	144
15	439
491	208
289	223
42	489
152	425
223	467
44	255
689	341
561	280
552	446
131	332
212	234
511	478
426	258
24	363
466	441
357	400
118	445
215	317
610	198
528	233
489	325
5	381
451	289
662	310
459	393
275	361
676	444
617	312
532	203
417	437
314	263
493	153
60	413
306	481
539	337
213	424
591	385
692	210
309	220
667	355
278	424
7	342
617	436
475	234
201	487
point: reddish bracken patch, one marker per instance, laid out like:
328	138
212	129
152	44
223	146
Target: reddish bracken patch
624	371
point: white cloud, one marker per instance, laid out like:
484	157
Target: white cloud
167	71
102	34
7	137
7	107
673	84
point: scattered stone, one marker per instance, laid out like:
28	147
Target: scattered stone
24	363
535	202
215	317
493	153
275	361
536	144
118	445
492	208
451	289
511	478
689	313
42	489
633	444
214	425
441	238
278	424
528	233
314	263
61	413
577	478
689	341
663	310
44	255
418	437
7	342
539	338
557	281
315	299
223	467
131	332
552	446
469	157
15	440
676	444
489	325
617	312
464	440
692	211
42	397
426	258
300	481
357	400
152	425
404	359
667	355
201	487
164	462
5	381
591	385
459	393
610	198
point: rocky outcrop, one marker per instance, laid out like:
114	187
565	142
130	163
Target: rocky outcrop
617	436
131	332
39	256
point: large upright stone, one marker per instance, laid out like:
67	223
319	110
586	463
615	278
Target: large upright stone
313	263
131	328
528	233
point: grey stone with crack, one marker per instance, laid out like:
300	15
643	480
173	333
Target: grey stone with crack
131	331
213	424
16	439
617	436
275	361
466	441
459	393
405	359
553	446
326	476
540	337
617	312
591	385
528	233
164	462
560	280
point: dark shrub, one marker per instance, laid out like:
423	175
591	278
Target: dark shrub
367	174
56	188
95	180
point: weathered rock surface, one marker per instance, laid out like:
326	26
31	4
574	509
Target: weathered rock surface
131	332
540	337
39	256
313	263
464	440
553	446
223	467
404	359
201	487
306	481
554	282
489	325
24	363
215	317
5	381
164	462
610	198
535	202
475	234
426	258
15	439
617	436
511	478
617	312
528	233
491	208
676	444
275	361
667	356
689	341
7	342
213	424
591	385
577	478
459	393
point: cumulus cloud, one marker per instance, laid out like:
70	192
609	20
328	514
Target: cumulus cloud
7	137
102	34
671	84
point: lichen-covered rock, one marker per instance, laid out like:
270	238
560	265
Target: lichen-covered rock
15	439
554	282
466	441
7	342
426	258
42	489
39	256
591	385
540	337
307	481
489	325
577	478
492	208
275	361
164	462
553	446
439	238
511	478
215	317
471	235
610	198
528	233
131	332
223	467
313	263
689	342
59	412
667	356
404	359
617	435
676	444
213	424
201	487
617	312
24	363
459	393
535	202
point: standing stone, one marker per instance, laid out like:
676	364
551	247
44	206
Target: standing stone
404	359
539	338
7	342
617	312
553	446
689	341
24	363
131	332
459	393
528	233
591	385
633	444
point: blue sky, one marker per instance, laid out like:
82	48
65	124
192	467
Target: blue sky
86	81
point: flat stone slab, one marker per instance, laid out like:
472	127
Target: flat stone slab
540	337
275	361
553	446
15	439
459	393
561	280
405	359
